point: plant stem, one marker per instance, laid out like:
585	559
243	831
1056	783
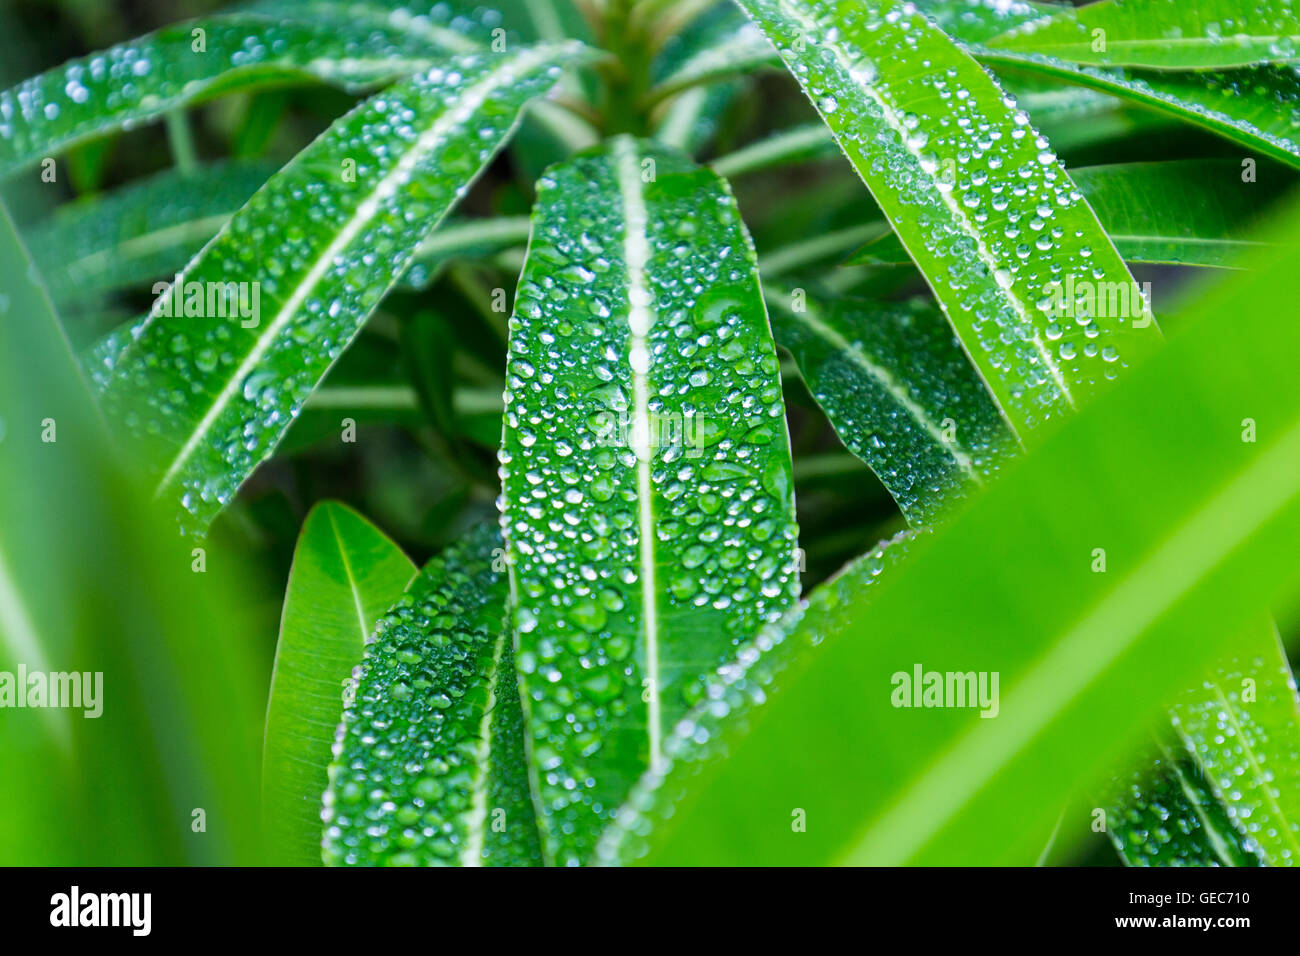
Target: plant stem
181	139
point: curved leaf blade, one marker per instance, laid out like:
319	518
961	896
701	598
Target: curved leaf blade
139	626
212	393
1163	34
901	394
935	154
143	232
177	65
1256	107
429	759
647	489
345	574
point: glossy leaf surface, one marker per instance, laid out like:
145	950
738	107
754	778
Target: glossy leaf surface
647	493
345	574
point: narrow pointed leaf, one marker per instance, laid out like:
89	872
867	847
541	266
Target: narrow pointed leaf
934	139
345	574
142	233
1256	107
311	255
1164	34
1187	212
647	490
429	759
901	394
1084	659
145	78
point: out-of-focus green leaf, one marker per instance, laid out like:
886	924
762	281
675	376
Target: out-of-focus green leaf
141	233
153	760
647	491
1163	34
934	138
688	119
1084	658
209	395
147	77
345	574
901	394
1183	212
739	50
1256	107
429	764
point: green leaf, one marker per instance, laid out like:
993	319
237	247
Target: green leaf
1242	725
735	693
647	490
312	253
1256	107
1183	212
189	62
1166	815
901	395
429	762
165	695
1163	34
141	233
1083	658
345	574
935	139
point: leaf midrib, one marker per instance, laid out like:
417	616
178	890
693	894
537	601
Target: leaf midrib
881	376
959	217
641	318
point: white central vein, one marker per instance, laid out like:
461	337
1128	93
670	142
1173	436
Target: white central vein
466	105
362	624
811	28
636	254
1070	666
476	820
897	391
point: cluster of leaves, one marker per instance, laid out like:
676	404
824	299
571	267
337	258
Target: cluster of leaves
625	667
